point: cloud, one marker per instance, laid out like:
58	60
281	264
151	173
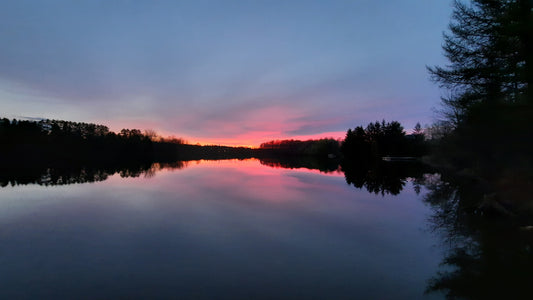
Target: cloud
212	69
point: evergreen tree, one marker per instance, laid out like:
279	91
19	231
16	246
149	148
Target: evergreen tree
376	140
489	78
489	50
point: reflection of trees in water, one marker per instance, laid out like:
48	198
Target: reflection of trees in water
62	175
306	162
376	177
488	257
382	177
160	166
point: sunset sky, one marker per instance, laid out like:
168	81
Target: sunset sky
222	72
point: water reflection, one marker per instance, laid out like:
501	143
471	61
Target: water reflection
487	257
64	175
384	177
213	230
49	176
484	256
298	162
378	178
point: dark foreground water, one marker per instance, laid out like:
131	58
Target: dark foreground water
218	230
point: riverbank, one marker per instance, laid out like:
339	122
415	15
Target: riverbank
508	194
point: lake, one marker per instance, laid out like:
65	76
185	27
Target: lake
229	229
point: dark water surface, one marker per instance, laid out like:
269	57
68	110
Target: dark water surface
216	230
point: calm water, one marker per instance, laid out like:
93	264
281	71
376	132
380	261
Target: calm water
216	230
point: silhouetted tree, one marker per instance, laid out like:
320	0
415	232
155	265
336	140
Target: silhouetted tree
489	79
417	144
319	148
378	139
489	50
356	143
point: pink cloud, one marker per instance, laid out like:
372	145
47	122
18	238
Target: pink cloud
242	126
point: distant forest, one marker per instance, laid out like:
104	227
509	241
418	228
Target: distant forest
381	139
65	142
56	141
53	152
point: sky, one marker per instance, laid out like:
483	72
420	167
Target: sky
222	72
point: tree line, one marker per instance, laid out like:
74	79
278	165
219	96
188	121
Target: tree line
61	141
381	139
489	106
488	109
320	148
58	142
376	140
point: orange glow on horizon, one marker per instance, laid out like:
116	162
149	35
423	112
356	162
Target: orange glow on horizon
254	140
251	139
249	166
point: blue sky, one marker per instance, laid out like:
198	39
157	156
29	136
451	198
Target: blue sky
228	72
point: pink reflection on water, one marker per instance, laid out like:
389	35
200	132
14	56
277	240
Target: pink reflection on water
247	180
253	166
